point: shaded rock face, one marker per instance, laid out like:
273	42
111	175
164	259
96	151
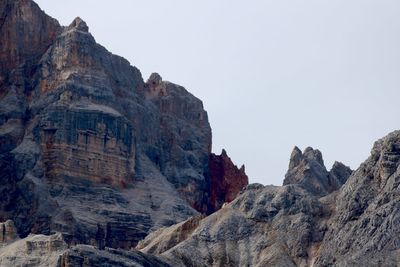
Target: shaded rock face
87	148
308	170
185	139
226	180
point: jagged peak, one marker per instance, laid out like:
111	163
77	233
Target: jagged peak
79	25
154	79
309	154
338	164
295	157
223	153
242	169
313	154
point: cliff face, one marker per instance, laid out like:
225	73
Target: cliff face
87	148
93	159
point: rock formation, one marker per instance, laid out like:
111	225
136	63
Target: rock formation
87	148
299	224
226	180
365	230
8	232
93	159
41	250
308	170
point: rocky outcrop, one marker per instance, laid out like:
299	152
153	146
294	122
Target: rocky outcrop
365	229
163	239
264	226
226	181
87	148
53	251
83	255
356	225
308	170
34	250
8	232
93	159
185	139
26	34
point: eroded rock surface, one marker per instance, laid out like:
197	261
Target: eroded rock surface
365	229
356	225
87	148
226	180
8	232
93	159
53	251
264	226
308	170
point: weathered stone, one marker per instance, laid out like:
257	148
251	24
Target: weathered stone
308	170
87	148
163	239
8	232
264	226
293	226
26	34
53	251
34	250
226	181
365	229
83	255
185	139
89	141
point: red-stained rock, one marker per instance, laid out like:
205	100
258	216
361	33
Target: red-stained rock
26	34
88	148
226	181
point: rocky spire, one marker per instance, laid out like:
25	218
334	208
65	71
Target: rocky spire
79	25
226	180
308	170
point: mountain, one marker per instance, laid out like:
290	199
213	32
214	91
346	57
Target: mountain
101	168
91	150
301	223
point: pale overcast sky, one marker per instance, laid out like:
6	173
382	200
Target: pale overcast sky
271	74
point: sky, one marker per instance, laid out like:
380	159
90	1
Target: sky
271	74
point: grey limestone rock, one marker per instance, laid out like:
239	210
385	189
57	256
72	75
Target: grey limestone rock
354	225
53	251
308	170
87	148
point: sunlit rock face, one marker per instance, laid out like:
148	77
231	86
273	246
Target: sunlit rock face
90	141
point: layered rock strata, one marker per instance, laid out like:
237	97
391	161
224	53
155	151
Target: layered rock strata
87	148
41	250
